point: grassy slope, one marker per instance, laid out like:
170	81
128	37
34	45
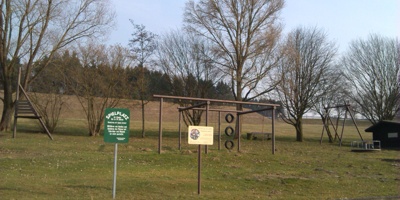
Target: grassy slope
74	166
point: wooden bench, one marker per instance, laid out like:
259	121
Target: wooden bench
252	135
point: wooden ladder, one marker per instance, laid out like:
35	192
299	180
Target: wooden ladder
25	109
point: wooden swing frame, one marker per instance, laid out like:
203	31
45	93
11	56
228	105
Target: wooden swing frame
206	102
328	122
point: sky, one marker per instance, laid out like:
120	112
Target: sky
343	20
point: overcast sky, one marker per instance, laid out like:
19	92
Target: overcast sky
343	20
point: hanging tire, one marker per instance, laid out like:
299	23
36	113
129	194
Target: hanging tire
229	144
229	118
229	131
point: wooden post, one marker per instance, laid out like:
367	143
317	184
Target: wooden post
354	121
273	130
207	110
180	132
15	106
237	131
160	127
341	134
219	130
325	126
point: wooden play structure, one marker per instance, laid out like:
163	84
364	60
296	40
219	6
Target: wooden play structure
335	126
25	109
204	104
357	146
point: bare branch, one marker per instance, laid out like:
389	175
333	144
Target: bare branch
371	67
246	34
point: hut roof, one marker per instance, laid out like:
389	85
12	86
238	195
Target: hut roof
381	124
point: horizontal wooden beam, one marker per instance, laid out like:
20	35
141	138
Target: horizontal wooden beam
214	100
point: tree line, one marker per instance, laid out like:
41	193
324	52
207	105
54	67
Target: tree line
101	76
225	50
69	74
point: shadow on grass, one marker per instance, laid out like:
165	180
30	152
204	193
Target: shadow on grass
19	191
392	160
35	128
155	134
85	187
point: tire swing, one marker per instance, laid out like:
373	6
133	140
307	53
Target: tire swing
229	118
229	131
229	144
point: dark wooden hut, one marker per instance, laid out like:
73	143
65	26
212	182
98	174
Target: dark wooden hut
388	132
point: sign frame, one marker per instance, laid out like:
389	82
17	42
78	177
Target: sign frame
116	125
201	135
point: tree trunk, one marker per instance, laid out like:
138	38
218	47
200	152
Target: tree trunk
238	98
237	125
143	118
299	130
8	105
91	117
98	127
6	115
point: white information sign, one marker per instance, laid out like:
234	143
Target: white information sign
203	135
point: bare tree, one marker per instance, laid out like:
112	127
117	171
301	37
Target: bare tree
398	84
47	90
245	33
143	45
99	82
181	54
307	56
371	67
33	29
188	60
49	107
331	92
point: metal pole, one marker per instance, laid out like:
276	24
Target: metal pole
115	169
199	170
160	126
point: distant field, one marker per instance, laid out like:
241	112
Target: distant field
73	120
75	166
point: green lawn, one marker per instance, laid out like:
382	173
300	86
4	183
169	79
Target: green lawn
74	166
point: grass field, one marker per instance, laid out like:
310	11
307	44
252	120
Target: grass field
75	166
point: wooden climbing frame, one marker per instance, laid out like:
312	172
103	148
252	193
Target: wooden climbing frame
25	109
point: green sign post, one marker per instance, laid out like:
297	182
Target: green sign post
116	125
116	130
